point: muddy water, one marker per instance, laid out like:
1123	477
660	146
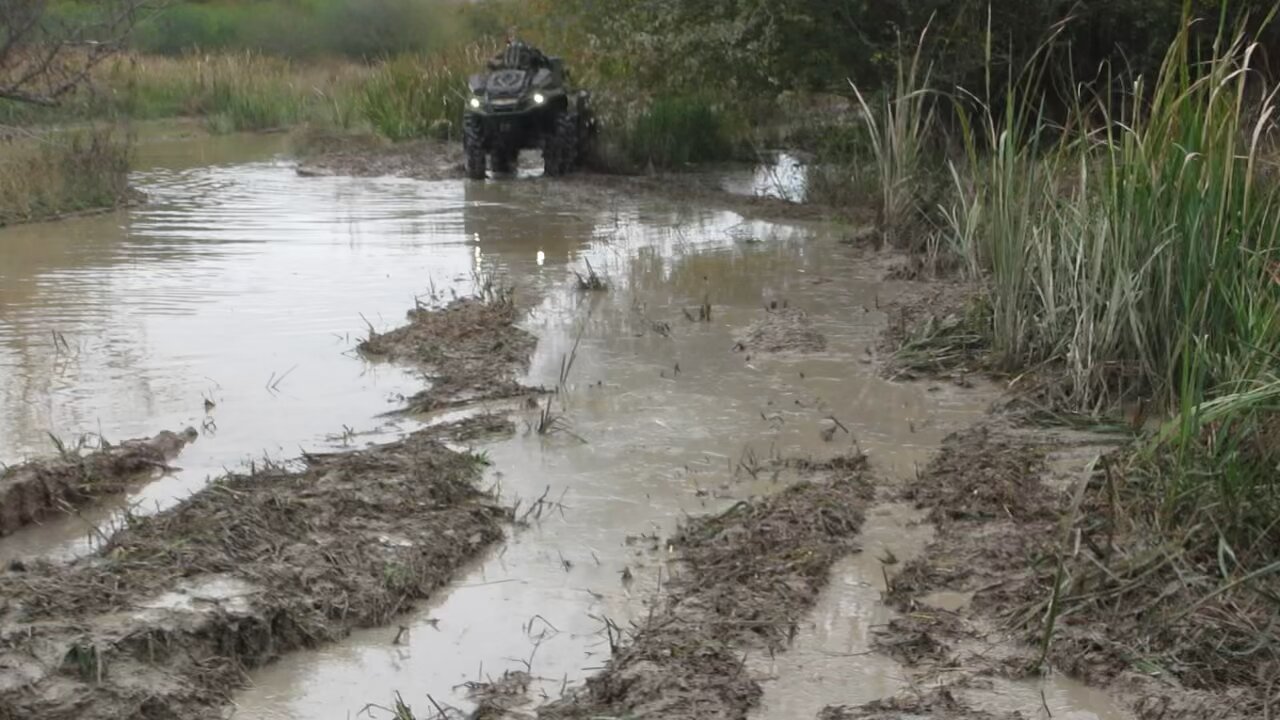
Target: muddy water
246	285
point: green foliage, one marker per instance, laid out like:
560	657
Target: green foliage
678	130
408	98
763	46
1139	255
359	29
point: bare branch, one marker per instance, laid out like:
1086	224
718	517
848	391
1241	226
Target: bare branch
44	57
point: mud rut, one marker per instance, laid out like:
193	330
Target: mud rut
168	617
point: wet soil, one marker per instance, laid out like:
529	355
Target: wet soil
1003	498
167	618
782	329
32	491
747	576
365	156
471	351
937	703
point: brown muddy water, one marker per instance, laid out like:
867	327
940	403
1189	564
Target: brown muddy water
246	285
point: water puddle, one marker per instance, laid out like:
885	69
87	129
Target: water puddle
831	661
247	286
783	176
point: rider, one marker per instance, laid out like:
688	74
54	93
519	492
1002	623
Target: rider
518	55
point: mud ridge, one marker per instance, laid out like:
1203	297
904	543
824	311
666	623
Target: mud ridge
1003	498
165	620
471	351
782	329
938	703
748	576
360	156
935	333
32	491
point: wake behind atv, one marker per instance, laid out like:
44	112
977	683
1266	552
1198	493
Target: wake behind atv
524	102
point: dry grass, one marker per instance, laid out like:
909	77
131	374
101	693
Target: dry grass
48	175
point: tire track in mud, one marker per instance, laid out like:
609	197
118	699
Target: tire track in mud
169	615
748	577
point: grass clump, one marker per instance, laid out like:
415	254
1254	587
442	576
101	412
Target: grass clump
674	131
51	175
412	97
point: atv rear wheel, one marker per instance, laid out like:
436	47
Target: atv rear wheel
473	146
560	153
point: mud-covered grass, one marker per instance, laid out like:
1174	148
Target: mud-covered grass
471	350
936	703
323	154
165	620
1076	586
748	577
782	329
34	490
935	332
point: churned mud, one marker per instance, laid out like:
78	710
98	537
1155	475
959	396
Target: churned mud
936	703
166	619
978	606
361	156
747	577
37	489
782	329
471	351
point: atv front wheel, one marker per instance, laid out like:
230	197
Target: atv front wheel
473	146
561	150
504	160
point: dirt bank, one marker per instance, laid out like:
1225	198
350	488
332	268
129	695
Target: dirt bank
365	156
35	490
163	622
471	351
1017	511
747	577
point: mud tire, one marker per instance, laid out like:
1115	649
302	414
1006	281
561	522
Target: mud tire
504	160
473	146
561	151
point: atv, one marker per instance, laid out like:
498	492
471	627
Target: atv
524	102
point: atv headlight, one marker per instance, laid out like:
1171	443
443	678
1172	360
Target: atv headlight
475	103
539	98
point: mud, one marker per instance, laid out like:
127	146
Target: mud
747	577
934	333
165	621
782	329
361	156
471	351
32	491
937	703
1003	497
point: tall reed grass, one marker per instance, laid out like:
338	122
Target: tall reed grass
422	96
1135	251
